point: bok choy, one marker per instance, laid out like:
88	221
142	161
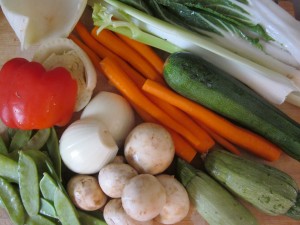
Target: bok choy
239	36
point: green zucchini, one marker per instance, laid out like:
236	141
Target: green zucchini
196	79
212	201
265	187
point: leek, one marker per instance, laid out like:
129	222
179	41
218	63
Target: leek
260	71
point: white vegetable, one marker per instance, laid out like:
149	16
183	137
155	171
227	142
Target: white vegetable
113	177
178	203
143	197
149	148
86	193
114	214
86	146
114	111
64	52
37	21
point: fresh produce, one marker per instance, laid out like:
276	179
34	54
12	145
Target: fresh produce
178	203
65	53
259	70
36	23
143	197
85	192
267	188
239	136
32	98
114	111
149	148
114	176
200	81
86	146
114	213
216	205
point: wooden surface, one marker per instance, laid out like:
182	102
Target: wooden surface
10	47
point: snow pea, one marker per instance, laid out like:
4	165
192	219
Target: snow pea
38	220
19	139
3	148
12	202
28	183
65	209
9	169
48	187
53	151
47	208
38	140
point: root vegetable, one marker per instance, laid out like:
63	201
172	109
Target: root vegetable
149	148
177	205
86	146
114	111
114	214
114	176
143	197
86	193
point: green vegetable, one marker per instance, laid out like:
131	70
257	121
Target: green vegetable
12	202
259	70
213	202
265	187
200	81
9	168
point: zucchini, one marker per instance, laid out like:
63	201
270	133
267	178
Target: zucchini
212	201
193	77
265	187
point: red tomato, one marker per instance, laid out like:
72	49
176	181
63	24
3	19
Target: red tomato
33	98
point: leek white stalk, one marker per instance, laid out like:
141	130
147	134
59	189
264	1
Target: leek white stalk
37	21
143	27
86	146
64	52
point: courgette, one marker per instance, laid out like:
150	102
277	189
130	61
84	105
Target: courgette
212	201
196	79
265	187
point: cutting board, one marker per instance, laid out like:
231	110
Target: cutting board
10	47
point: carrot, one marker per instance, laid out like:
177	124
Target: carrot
237	135
92	55
219	139
182	148
103	52
119	47
128	88
146	51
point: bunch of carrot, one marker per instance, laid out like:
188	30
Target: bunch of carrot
136	71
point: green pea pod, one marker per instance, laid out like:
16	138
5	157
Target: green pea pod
47	208
48	186
9	169
39	220
19	139
38	140
12	202
66	211
3	148
29	183
53	151
87	219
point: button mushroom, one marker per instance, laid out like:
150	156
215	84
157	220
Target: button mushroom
86	193
149	148
143	197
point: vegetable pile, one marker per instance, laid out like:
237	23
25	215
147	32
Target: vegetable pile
166	132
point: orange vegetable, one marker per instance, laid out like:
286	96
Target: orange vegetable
119	47
127	87
236	135
146	51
